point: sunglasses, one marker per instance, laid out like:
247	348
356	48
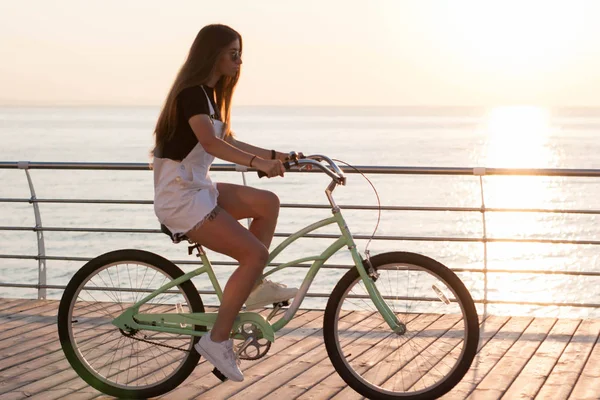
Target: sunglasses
236	55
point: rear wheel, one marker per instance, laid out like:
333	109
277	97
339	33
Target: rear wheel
441	338
137	363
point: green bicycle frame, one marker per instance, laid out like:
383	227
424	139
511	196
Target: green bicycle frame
182	323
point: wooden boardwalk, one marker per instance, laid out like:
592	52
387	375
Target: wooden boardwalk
518	358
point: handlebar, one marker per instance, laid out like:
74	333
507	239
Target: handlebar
334	172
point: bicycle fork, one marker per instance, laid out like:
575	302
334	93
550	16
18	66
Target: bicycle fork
369	276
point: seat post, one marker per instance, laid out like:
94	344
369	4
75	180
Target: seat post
197	247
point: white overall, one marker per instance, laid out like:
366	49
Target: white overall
184	194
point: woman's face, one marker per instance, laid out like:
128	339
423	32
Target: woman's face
231	59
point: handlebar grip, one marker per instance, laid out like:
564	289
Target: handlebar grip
261	174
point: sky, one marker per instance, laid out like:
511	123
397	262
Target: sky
327	52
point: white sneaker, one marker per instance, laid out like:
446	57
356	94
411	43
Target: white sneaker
220	355
268	293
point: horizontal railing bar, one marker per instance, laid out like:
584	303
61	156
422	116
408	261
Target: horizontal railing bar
321	295
207	292
541	304
325	236
365	169
477	171
76	201
77	165
446	209
324	206
328	266
527	271
179	262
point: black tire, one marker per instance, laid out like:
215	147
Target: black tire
356	353
94	312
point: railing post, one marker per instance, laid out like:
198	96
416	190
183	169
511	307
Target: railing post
39	233
481	172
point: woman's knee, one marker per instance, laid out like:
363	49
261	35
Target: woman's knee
257	256
272	203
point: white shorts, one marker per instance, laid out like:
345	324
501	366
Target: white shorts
181	202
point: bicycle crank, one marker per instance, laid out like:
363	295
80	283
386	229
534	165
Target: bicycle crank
252	348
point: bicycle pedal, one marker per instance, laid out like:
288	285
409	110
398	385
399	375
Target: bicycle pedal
219	374
281	304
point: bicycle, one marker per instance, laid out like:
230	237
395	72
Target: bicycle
129	335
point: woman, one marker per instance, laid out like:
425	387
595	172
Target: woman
193	129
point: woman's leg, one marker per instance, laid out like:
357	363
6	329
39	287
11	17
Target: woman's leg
248	202
225	235
263	207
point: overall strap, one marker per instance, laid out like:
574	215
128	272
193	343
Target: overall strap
210	106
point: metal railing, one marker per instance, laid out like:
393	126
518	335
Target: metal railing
39	229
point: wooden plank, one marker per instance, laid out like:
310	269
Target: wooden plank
533	376
42	364
9	303
310	338
19	353
310	377
497	336
35	377
20	350
270	387
21	310
406	365
42	374
40	316
303	339
440	353
362	352
20	304
32	363
15	396
77	384
67	394
588	384
202	378
512	362
294	366
565	373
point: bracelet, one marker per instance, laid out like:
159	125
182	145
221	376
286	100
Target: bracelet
252	159
273	155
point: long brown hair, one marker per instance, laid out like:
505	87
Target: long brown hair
196	70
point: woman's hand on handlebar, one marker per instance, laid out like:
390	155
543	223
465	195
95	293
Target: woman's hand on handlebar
270	167
293	156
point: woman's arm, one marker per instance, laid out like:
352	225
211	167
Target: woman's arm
259	151
204	131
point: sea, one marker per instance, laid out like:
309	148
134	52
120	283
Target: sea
489	137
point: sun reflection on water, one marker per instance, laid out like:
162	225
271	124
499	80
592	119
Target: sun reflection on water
517	137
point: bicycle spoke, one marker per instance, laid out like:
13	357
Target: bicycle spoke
120	360
417	360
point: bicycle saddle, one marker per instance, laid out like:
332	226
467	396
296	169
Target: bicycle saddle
175	238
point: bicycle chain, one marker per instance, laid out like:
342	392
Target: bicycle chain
159	344
185	350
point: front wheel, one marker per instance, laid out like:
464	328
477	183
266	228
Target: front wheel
134	364
426	361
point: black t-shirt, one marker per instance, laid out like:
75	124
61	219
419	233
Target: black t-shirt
191	101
